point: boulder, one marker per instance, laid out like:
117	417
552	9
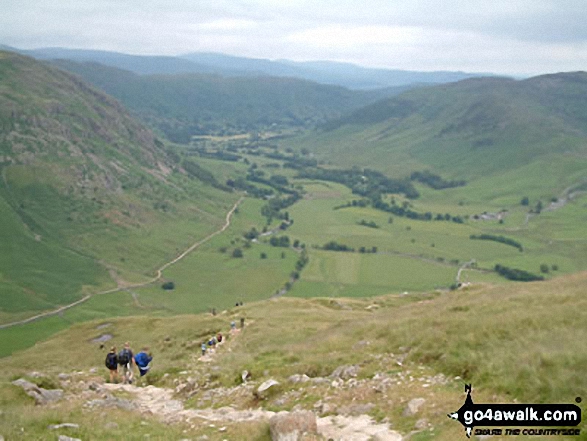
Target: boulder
292	426
297	378
262	390
345	372
413	406
41	396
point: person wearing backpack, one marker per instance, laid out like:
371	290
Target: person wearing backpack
143	361
112	364
126	360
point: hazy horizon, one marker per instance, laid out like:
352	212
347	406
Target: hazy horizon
505	38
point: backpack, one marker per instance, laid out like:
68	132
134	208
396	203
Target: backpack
111	361
124	357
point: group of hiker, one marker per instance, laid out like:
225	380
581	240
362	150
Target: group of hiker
208	346
125	360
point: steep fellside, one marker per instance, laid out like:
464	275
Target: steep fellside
83	188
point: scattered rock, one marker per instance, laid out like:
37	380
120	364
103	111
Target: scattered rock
35	375
413	406
112	402
202	438
298	378
355	409
1	438
345	372
291	426
93	370
63	377
41	396
63	426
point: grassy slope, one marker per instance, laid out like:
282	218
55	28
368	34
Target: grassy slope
511	342
498	134
203	280
87	194
416	255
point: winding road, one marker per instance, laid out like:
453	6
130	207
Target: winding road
137	285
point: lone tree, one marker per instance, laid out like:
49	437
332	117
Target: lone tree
525	201
168	286
237	253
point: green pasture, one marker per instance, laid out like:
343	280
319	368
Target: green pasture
206	278
341	274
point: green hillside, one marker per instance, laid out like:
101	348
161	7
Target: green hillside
87	194
185	105
514	344
495	133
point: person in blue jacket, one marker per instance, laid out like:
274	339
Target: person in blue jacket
143	361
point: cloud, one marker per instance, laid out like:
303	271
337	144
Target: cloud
503	36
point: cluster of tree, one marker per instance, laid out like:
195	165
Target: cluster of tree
278	182
241	184
237	253
545	269
282	241
195	171
335	246
370	224
251	234
500	239
353	203
364	182
299	163
516	274
434	181
302	260
220	155
271	210
404	211
368	250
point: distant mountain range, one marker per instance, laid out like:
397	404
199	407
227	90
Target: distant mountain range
326	72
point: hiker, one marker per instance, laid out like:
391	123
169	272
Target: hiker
112	364
204	347
219	337
126	360
232	326
143	361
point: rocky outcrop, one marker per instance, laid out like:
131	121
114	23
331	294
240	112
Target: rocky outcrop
40	395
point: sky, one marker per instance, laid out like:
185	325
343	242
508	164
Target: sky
513	37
